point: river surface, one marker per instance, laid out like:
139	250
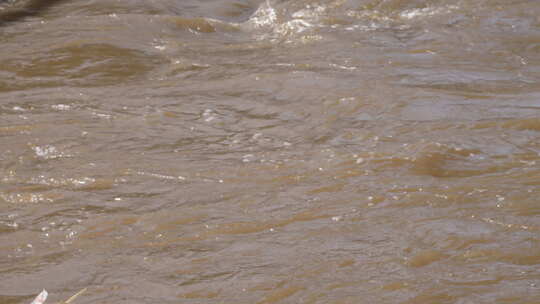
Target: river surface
253	151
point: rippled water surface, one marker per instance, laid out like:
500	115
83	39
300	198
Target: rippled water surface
253	151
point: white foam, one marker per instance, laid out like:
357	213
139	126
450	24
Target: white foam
426	12
264	16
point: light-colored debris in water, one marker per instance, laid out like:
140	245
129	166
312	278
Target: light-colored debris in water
68	301
42	297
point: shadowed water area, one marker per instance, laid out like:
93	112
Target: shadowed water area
253	151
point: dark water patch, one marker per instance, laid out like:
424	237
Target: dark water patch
20	10
79	65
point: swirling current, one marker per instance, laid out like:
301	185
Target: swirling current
270	151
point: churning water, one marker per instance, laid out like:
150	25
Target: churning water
270	151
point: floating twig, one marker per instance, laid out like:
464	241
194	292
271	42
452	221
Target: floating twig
73	297
42	297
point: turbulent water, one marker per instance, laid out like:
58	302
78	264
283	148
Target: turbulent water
253	151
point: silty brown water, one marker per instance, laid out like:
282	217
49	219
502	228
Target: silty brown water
255	151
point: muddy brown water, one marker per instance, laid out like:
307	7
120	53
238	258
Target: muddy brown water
249	151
